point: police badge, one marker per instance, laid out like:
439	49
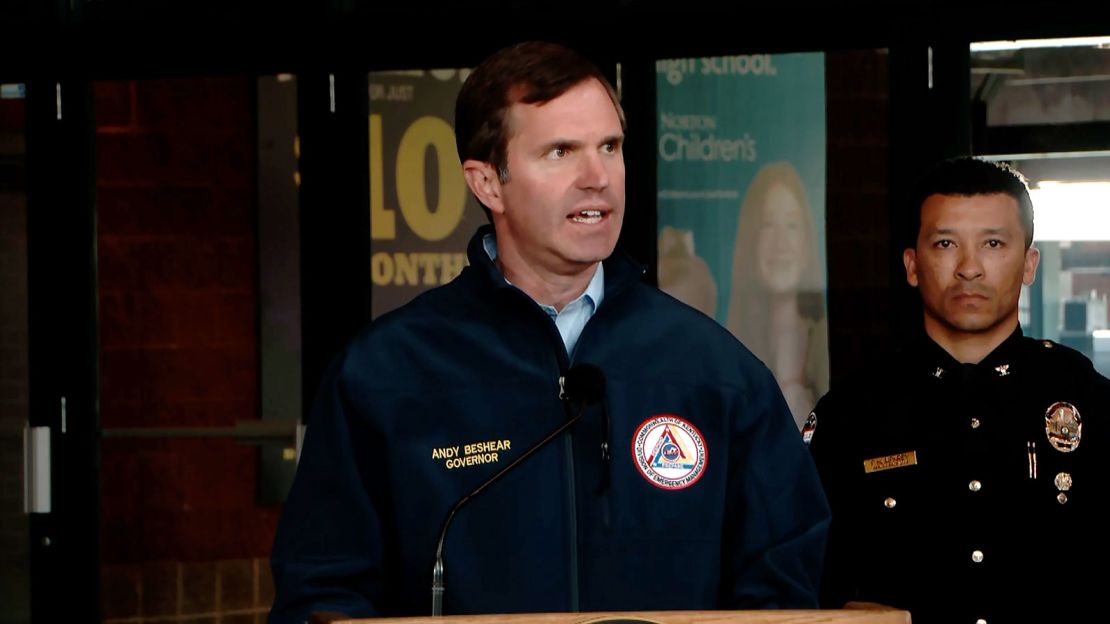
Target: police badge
1063	426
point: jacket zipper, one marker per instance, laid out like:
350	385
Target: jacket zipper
572	522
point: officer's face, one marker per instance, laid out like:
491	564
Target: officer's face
969	264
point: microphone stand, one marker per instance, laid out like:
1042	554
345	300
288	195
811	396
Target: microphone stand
438	586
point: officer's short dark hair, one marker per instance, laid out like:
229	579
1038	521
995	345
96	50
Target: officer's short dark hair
968	176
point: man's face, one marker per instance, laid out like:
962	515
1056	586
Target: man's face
561	210
969	264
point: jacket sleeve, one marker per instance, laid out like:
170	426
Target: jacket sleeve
776	515
327	554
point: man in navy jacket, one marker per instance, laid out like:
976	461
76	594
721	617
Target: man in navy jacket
685	487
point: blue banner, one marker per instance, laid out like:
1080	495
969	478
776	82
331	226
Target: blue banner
741	204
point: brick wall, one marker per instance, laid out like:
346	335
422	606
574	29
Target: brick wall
14	538
237	591
859	245
179	348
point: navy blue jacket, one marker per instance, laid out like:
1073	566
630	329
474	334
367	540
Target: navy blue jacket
434	398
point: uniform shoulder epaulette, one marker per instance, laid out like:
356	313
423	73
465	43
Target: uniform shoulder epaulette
1061	355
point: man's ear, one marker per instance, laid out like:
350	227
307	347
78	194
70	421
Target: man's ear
484	182
1029	271
909	258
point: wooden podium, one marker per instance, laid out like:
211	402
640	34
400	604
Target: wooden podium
800	616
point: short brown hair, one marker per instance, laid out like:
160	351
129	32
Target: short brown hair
529	73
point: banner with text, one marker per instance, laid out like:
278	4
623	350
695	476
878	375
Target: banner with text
421	213
741	200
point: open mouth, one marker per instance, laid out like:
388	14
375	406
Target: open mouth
588	216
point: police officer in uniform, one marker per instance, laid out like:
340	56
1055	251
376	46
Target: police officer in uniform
965	471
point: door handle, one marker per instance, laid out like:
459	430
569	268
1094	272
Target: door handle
36	469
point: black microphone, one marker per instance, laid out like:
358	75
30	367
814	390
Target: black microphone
582	385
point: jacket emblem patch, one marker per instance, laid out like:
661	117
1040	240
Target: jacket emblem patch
669	452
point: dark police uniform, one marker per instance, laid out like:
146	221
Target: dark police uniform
968	492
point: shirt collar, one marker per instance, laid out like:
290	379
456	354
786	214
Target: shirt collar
939	362
595	290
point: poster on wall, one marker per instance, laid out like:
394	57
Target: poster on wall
741	204
421	213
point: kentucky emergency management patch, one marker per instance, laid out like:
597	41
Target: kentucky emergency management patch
669	452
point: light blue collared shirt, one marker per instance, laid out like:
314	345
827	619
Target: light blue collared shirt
572	319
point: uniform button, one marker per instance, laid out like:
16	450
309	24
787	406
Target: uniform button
974	486
974	423
977	556
889	503
1063	481
1063	498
